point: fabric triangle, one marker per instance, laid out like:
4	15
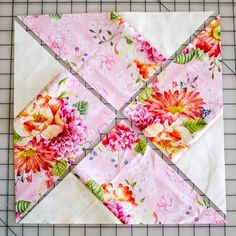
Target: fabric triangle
204	164
70	202
160	28
184	101
33	69
102	48
137	186
51	133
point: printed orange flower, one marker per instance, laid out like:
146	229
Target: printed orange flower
145	70
172	105
118	193
170	139
40	119
34	157
209	40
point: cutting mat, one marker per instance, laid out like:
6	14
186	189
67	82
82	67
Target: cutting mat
8	11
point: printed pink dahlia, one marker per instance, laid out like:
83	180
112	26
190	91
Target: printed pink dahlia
74	133
117	209
139	116
152	54
121	137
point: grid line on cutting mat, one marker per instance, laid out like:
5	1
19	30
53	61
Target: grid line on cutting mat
8	11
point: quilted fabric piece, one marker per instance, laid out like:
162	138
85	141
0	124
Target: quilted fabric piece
51	133
185	99
137	186
102	48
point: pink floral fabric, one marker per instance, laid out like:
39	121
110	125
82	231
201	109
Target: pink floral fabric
102	48
185	99
51	133
137	186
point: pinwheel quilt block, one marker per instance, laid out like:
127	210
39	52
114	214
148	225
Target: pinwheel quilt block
177	106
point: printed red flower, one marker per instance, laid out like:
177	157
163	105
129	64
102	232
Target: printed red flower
50	182
29	178
34	157
209	40
122	137
48	173
172	105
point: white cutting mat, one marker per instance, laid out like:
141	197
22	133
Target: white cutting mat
9	9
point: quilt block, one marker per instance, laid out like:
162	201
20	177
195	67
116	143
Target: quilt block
178	107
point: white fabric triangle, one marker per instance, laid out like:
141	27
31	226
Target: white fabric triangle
204	165
166	31
70	202
33	70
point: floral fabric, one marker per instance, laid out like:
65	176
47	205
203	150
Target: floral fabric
137	186
51	133
102	48
185	99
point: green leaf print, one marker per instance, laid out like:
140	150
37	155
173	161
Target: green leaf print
82	107
115	16
203	202
141	147
56	16
62	82
109	32
96	189
17	138
64	94
185	58
131	184
194	126
146	94
199	54
22	206
59	168
206	203
128	40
